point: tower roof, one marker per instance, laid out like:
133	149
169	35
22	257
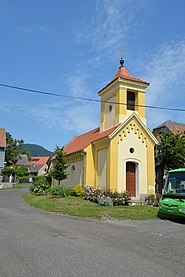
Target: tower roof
123	73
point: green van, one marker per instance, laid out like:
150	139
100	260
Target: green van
172	203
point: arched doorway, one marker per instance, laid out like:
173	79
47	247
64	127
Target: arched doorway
131	178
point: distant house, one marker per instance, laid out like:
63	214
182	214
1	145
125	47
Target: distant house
22	161
168	127
2	147
38	166
165	128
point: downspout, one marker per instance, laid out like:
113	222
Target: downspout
84	167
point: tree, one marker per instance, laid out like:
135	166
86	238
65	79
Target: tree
22	171
22	148
8	171
170	154
59	169
13	150
12	153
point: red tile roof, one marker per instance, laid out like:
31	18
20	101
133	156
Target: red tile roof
172	126
78	143
2	138
39	160
124	74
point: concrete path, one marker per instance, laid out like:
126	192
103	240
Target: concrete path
40	244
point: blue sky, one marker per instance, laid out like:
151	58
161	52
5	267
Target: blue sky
72	48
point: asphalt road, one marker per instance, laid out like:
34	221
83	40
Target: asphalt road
35	244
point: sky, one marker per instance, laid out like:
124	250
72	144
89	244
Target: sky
71	48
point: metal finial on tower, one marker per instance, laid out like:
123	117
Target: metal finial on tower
121	60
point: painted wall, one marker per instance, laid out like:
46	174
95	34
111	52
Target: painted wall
90	167
43	170
75	170
150	168
102	168
132	135
2	157
75	174
101	153
139	157
110	113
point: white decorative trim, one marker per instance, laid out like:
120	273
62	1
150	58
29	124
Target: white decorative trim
139	84
131	88
134	115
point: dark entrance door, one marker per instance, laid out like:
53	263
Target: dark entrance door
131	178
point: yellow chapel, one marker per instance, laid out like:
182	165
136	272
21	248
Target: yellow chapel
119	154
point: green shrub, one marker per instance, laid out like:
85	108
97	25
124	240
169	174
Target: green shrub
152	200
23	179
22	171
63	191
105	201
7	171
77	190
49	177
40	185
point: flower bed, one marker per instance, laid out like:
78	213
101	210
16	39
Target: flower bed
107	198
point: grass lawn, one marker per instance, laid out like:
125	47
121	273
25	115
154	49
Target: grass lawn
77	206
20	186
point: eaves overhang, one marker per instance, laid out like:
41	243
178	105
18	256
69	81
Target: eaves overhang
127	81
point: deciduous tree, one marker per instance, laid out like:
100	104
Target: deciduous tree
59	169
13	150
170	154
12	153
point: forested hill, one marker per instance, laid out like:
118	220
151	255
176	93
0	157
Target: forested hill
37	150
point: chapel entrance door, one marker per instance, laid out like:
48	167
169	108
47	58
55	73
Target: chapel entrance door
131	178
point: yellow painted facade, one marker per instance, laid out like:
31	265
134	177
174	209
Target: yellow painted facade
131	142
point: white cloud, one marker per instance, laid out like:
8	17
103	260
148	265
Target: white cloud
5	107
26	30
65	116
165	72
81	119
77	84
31	29
113	22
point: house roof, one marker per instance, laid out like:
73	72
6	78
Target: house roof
172	126
39	160
78	143
35	168
124	74
23	160
2	137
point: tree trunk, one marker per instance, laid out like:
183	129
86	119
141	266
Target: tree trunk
58	186
159	179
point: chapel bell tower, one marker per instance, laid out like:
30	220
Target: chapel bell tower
121	97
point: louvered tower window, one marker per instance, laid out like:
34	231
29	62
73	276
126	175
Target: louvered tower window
130	100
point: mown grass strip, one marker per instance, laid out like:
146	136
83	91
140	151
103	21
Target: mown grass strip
77	206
